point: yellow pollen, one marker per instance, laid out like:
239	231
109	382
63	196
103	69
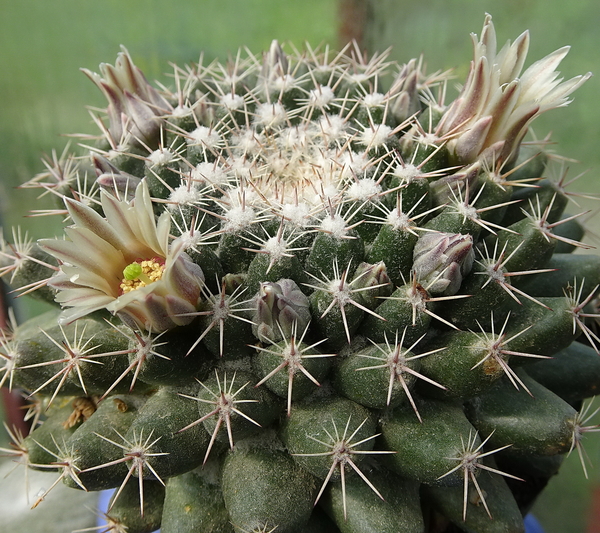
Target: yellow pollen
147	272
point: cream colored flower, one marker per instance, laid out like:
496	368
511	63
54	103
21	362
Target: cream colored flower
497	103
125	264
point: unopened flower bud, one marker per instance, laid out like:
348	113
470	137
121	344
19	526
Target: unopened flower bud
441	260
134	106
371	282
275	63
114	180
447	188
281	309
406	102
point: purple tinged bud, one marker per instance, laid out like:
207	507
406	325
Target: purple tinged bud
140	119
275	63
470	144
442	260
498	101
121	184
406	101
373	278
134	107
113	179
233	282
448	188
281	309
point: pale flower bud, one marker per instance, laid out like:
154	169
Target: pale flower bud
281	309
406	100
275	63
134	108
441	260
371	283
498	102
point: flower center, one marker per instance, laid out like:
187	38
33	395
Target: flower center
142	273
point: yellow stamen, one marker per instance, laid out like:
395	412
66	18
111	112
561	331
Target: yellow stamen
137	275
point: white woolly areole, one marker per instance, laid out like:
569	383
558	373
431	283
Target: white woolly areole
353	164
467	211
182	111
117	152
239	218
184	195
340	292
415	298
407	173
205	136
363	190
276	247
232	101
322	96
327	164
373	99
190	240
330	193
283	83
160	157
374	136
270	115
429	139
249	142
242	168
359	78
398	220
294	139
211	173
298	214
277	164
496	274
332	127
335	225
241	197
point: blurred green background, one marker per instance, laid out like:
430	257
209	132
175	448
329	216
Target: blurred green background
43	94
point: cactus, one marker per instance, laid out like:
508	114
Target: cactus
292	300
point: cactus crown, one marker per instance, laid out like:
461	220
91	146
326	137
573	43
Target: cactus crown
289	285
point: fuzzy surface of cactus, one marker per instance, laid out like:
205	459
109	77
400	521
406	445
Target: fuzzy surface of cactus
301	291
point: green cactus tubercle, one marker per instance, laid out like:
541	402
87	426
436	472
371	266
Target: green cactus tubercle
294	300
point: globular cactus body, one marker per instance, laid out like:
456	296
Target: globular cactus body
291	287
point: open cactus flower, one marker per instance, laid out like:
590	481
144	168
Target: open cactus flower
125	264
303	292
